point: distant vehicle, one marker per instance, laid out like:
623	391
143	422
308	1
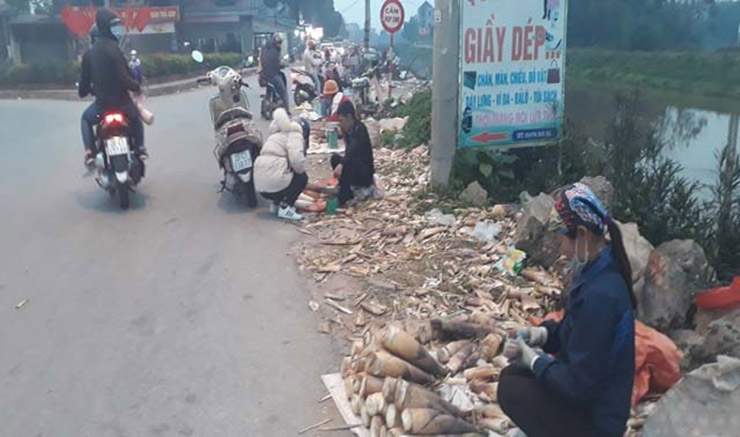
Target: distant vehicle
371	55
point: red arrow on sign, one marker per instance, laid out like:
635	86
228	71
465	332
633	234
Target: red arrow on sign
487	137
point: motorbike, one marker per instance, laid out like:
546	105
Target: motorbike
118	167
271	99
362	94
305	89
238	141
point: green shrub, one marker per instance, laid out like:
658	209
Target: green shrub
156	66
418	129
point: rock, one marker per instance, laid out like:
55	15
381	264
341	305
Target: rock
373	129
689	342
532	235
437	217
704	403
602	188
666	298
392	125
691	258
475	194
722	337
704	317
638	249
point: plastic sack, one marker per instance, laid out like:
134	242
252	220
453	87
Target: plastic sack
657	359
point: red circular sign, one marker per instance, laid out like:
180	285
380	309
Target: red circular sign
392	16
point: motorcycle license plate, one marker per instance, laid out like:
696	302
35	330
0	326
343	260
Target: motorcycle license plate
241	161
116	146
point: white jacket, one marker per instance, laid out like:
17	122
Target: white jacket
310	63
281	156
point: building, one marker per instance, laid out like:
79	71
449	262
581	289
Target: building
218	25
4	30
425	15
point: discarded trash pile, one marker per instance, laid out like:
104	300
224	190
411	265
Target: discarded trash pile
439	381
423	265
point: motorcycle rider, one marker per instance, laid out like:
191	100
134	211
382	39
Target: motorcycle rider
91	116
271	66
112	77
311	63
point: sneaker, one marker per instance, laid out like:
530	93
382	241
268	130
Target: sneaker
89	159
289	213
273	208
143	153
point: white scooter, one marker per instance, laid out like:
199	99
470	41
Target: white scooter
238	141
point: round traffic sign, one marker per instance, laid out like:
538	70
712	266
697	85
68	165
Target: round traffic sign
392	15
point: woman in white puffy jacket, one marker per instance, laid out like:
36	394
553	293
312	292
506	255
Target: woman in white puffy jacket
280	170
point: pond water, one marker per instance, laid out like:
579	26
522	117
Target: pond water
695	130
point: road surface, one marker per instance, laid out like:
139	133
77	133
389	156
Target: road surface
183	316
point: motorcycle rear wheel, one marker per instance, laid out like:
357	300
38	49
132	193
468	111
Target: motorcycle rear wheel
123	195
265	110
250	194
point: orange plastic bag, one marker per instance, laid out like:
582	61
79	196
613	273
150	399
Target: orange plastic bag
657	359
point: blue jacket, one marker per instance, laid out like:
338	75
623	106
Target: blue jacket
594	346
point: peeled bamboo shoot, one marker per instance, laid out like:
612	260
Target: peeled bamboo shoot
457	360
490	345
374	404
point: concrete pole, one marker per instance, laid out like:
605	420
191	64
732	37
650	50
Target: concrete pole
445	84
367	24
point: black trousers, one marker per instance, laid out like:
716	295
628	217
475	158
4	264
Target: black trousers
540	412
289	195
351	177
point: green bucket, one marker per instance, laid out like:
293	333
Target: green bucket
333	139
331	206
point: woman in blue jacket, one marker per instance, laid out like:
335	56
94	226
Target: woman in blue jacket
586	388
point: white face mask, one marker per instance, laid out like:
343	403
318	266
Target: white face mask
118	30
575	264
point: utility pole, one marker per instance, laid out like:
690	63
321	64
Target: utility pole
445	84
367	24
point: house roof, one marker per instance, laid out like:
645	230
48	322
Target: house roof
425	6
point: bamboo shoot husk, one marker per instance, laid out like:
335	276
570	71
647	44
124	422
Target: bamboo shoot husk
422	421
445	353
383	430
358	383
374	404
457	360
375	424
483	373
403	345
482	318
499	425
385	364
490	345
389	388
370	384
460	330
393	416
415	396
356	404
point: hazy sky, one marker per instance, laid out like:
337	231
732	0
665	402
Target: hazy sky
354	10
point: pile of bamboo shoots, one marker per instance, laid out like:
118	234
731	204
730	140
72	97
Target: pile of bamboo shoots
400	387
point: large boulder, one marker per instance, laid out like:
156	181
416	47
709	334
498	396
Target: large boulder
722	337
474	194
638	249
704	403
602	188
666	297
691	258
532	235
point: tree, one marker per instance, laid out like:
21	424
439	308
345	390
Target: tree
317	12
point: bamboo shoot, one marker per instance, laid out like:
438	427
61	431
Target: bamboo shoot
370	384
403	345
431	422
415	396
385	364
457	360
374	404
460	330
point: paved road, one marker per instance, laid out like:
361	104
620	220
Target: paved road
181	317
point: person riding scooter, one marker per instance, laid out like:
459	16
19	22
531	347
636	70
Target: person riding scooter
91	116
271	65
112	77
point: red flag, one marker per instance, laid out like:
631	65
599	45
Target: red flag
78	20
